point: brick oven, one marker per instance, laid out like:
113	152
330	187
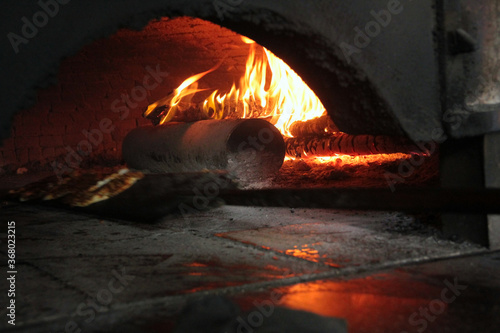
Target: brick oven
95	93
410	91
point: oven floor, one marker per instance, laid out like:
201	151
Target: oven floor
381	272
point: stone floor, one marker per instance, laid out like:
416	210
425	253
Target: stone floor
379	271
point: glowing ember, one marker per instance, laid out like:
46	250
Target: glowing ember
339	160
361	171
269	89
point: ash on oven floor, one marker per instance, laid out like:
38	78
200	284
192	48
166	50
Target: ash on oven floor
76	271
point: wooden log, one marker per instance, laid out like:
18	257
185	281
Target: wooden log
320	126
342	143
186	113
191	112
251	149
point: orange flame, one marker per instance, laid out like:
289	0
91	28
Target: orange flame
269	89
187	88
344	159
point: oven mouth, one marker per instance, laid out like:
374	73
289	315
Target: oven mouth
83	125
357	216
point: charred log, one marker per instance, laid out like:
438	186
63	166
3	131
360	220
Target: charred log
188	114
191	112
317	127
251	149
342	143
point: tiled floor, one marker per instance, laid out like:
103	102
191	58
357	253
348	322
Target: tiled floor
377	271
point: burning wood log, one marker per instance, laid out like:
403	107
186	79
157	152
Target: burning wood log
251	149
190	113
342	143
314	127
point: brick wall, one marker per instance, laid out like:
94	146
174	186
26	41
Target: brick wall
103	90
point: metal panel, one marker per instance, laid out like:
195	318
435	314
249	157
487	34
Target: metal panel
472	67
492	177
461	166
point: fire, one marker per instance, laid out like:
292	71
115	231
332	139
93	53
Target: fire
339	161
343	159
187	88
269	89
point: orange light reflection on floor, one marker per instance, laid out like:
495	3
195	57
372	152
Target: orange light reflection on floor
368	304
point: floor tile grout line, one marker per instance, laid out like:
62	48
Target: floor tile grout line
59	280
351	272
271	251
277	283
